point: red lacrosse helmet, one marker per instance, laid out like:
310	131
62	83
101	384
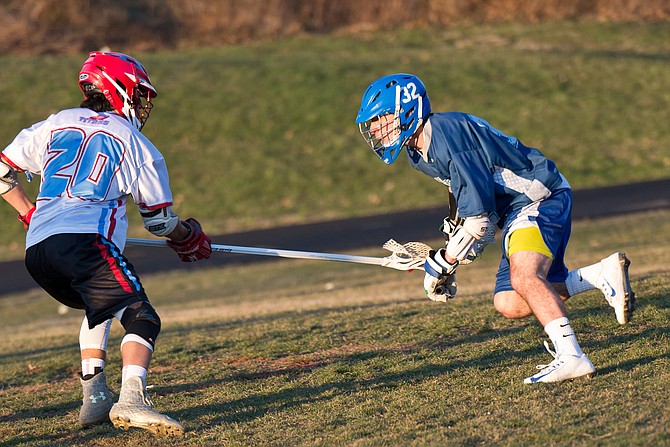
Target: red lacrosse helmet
124	82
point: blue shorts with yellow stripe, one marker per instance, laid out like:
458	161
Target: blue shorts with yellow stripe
543	227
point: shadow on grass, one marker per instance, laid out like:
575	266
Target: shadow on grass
257	405
55	411
74	347
63	433
73	436
252	407
249	408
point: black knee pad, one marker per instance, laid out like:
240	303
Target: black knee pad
142	320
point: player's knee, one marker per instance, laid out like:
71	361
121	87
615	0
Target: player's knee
142	320
509	305
501	306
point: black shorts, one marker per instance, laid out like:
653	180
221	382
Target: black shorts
85	271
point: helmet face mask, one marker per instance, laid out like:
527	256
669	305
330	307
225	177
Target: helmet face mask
381	133
392	109
141	106
123	81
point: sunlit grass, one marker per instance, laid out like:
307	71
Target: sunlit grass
315	353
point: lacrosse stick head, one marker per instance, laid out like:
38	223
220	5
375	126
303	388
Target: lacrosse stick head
409	256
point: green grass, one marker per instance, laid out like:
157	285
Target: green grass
263	134
315	353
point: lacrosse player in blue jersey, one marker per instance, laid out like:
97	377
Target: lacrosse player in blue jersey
91	159
495	180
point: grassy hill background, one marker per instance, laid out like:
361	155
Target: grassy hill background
262	134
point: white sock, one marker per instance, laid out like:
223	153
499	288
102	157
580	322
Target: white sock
88	366
583	279
563	337
133	371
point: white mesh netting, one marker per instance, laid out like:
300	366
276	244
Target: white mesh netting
409	251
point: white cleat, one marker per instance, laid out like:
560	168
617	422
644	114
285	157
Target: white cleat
615	285
97	401
563	367
134	410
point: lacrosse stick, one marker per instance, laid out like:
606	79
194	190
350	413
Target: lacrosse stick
409	256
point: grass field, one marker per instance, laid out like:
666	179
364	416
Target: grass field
263	134
312	353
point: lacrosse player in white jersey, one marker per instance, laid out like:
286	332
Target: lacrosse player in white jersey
91	159
495	180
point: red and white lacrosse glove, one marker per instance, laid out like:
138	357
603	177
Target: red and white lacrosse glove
197	244
25	219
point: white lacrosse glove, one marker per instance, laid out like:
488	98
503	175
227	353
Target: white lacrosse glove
439	283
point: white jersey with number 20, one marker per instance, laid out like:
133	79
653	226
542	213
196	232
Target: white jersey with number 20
89	163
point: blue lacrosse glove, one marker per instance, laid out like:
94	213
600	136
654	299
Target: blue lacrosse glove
439	283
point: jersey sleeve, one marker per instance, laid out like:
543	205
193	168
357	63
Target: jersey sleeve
23	152
150	184
152	188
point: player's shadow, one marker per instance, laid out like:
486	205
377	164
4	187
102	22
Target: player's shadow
258	405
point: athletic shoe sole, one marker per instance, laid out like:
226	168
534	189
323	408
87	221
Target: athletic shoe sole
164	429
629	298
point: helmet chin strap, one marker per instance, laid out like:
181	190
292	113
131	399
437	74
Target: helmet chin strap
416	140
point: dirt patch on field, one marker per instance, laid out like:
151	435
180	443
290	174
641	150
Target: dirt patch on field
70	26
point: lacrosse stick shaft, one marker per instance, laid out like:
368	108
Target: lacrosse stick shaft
275	252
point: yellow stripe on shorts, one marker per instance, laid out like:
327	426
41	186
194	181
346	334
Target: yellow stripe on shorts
528	239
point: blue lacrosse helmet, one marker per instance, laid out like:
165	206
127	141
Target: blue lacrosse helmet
392	108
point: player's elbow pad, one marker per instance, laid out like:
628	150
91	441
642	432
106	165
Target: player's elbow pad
473	229
159	222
